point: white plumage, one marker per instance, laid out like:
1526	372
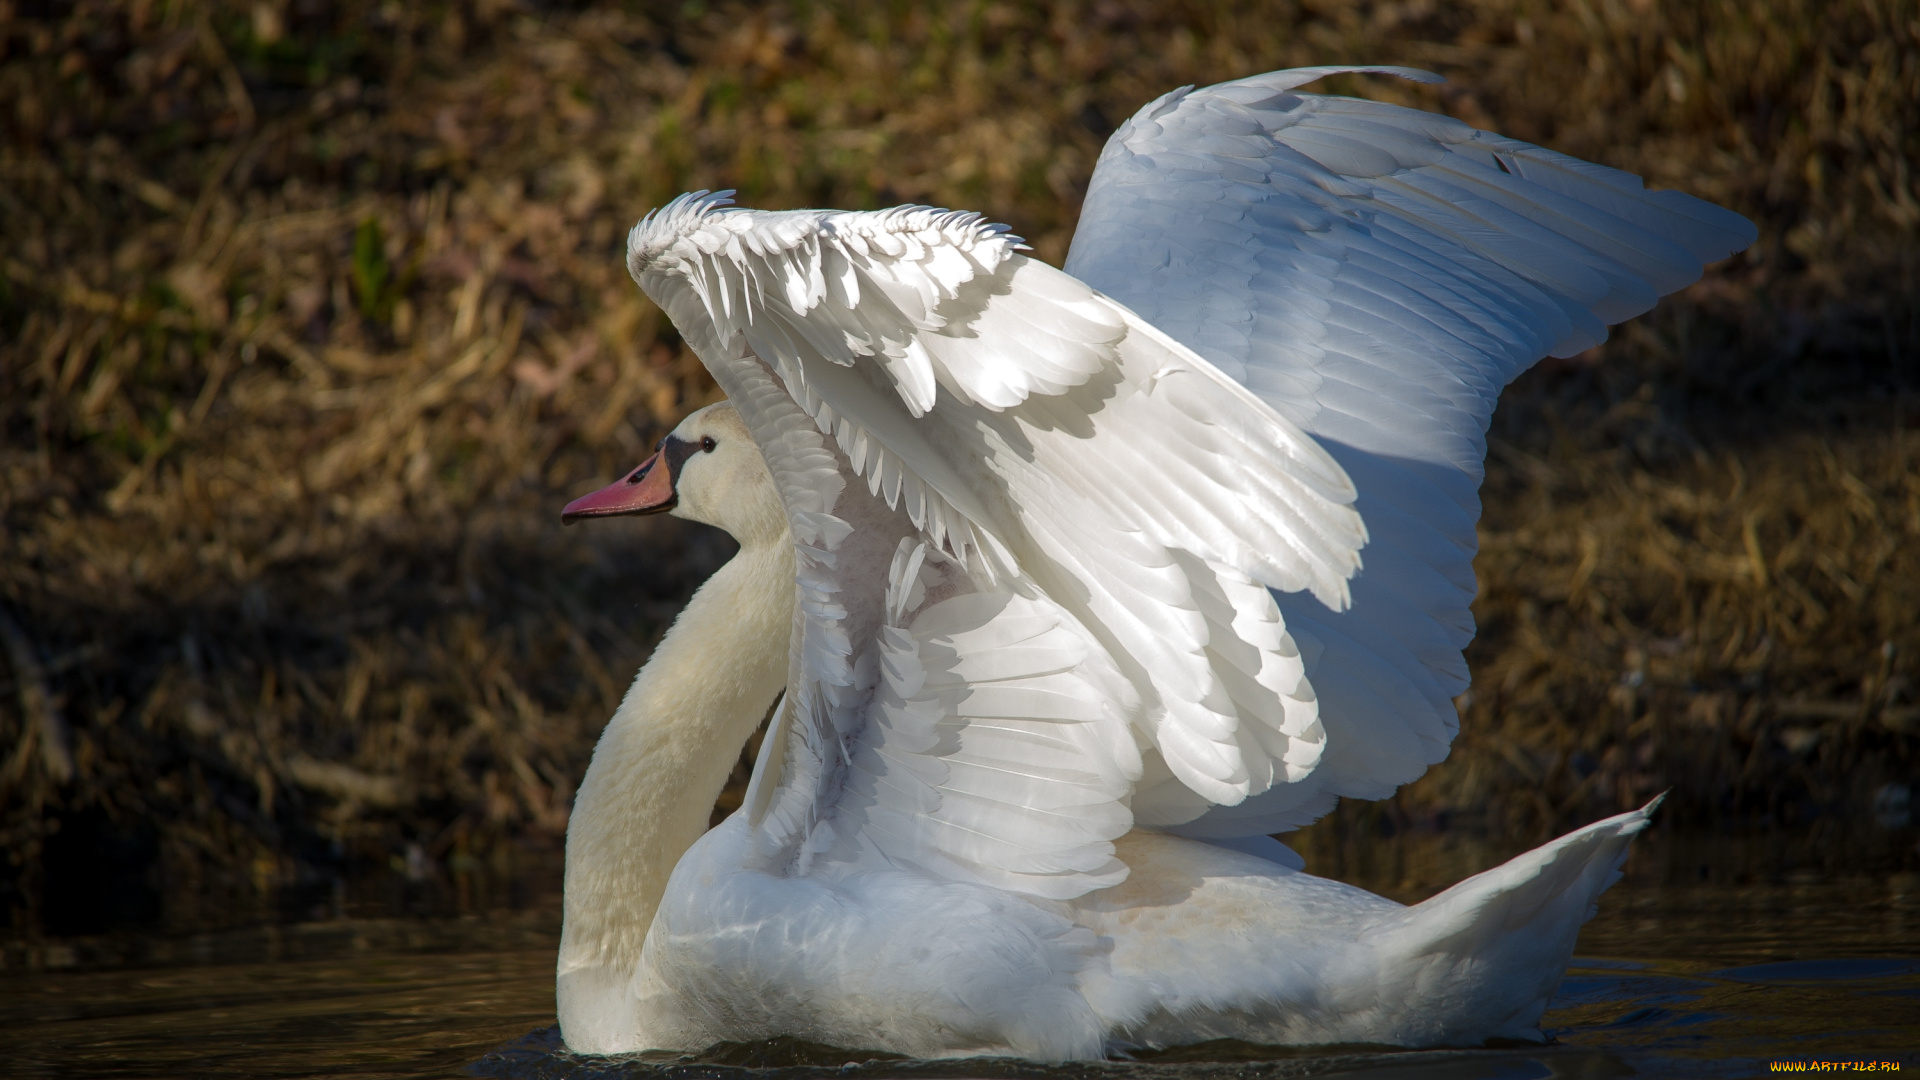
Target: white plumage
1129	479
1377	275
1072	566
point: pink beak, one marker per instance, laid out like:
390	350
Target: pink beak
647	490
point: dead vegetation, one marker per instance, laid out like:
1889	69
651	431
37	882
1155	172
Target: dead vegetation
312	315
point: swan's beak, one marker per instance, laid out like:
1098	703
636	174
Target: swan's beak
647	490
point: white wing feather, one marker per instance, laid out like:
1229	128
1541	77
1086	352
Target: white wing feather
1377	275
1059	457
933	718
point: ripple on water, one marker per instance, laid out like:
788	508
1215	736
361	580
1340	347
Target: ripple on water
1854	970
540	1056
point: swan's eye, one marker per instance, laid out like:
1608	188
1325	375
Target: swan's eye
708	444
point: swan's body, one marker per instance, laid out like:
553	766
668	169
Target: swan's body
1199	942
1023	564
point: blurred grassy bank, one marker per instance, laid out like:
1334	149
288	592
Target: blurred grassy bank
313	314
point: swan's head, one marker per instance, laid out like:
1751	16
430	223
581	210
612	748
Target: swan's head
708	470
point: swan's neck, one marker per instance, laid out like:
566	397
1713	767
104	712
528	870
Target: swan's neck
666	754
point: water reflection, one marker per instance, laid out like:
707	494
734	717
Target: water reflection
1716	954
371	1006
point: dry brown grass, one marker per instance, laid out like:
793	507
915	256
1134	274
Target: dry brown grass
312	314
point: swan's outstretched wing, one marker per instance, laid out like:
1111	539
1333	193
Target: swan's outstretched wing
1057	479
1377	275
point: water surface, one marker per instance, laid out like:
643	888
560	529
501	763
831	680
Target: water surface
1716	955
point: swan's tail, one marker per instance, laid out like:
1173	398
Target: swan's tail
1480	960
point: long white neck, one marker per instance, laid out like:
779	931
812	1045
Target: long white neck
666	754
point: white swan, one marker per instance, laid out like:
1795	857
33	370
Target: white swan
1026	558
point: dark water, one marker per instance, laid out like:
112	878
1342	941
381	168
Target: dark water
1717	955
